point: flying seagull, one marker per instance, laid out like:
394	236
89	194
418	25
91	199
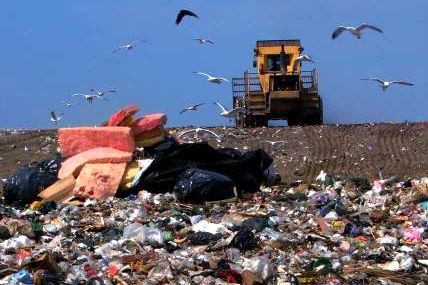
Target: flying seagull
204	41
275	145
385	84
128	46
213	79
231	113
354	31
183	13
89	97
101	93
69	104
55	118
199	133
300	58
191	108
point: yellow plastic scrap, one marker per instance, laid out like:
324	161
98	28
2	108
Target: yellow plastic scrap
36	205
130	173
337	224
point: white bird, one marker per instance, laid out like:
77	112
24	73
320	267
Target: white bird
204	41
231	113
89	97
213	79
55	118
199	134
321	176
128	46
300	58
69	104
191	108
385	84
354	31
274	143
101	93
26	149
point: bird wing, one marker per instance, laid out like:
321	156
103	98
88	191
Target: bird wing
223	109
197	105
307	57
116	50
210	132
365	26
79	94
209	41
202	73
185	133
238	110
184	110
99	97
338	31
374	79
224	79
138	41
179	17
183	13
402	82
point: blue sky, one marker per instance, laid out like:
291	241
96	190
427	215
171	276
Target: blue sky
53	48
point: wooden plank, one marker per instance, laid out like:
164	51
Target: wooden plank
60	190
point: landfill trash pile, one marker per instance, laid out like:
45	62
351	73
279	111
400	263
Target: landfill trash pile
337	231
129	203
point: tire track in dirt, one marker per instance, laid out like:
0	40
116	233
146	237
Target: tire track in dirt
323	145
309	149
345	144
414	144
384	150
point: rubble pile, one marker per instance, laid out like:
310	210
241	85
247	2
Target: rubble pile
332	232
130	204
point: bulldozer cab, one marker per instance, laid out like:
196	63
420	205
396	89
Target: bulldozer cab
273	63
279	89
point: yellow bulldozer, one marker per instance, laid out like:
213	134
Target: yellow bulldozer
279	90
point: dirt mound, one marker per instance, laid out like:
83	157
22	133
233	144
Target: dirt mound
349	150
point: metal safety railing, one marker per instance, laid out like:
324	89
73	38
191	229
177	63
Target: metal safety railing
309	80
242	85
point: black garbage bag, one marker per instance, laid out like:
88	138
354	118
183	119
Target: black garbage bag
25	184
197	186
172	159
244	240
256	223
202	238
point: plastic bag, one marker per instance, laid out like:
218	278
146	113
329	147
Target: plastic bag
143	234
24	185
198	186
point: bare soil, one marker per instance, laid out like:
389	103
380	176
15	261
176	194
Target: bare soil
398	150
